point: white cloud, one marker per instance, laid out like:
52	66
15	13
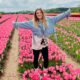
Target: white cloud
17	5
0	1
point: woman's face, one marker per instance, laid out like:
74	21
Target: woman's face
39	14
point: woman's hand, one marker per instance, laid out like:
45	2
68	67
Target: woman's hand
69	8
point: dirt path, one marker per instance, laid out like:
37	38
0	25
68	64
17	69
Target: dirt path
69	59
11	65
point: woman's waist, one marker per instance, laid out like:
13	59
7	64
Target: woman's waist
38	46
40	40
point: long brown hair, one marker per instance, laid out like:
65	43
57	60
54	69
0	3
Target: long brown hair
36	20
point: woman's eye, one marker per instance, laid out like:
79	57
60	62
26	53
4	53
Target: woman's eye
37	13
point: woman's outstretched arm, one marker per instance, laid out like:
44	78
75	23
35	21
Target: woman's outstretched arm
25	24
61	16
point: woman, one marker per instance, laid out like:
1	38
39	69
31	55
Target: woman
42	27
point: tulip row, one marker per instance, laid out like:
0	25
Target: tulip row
5	18
6	32
69	41
58	69
70	27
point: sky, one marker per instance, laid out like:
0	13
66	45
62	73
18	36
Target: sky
18	5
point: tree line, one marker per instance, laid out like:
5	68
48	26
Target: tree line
52	10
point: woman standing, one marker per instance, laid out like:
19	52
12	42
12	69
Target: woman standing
42	27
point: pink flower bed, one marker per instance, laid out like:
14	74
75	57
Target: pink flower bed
4	16
74	18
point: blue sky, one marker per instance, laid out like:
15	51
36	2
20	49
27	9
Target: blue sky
17	5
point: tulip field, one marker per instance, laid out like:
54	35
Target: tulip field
68	39
6	32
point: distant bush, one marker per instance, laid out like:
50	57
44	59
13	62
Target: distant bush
0	15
